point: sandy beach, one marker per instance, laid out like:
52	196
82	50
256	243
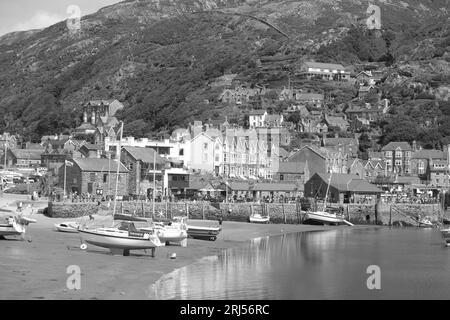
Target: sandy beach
36	268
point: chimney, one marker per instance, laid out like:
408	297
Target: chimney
197	128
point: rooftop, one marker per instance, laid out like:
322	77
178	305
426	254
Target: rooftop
99	165
146	155
320	65
349	182
392	146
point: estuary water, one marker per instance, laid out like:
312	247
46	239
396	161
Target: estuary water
413	264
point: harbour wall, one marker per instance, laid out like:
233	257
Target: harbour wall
382	214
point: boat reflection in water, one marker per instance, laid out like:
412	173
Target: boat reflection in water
318	265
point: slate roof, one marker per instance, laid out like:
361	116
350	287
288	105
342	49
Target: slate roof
28	154
349	182
392	146
99	165
257	112
146	155
427	154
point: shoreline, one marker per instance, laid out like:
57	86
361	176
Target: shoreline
37	269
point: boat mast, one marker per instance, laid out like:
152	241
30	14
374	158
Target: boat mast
326	194
118	166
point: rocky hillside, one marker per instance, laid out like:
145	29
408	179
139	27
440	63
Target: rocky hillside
159	56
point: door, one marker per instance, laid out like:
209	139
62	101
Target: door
90	187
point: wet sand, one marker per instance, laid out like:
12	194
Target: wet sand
36	268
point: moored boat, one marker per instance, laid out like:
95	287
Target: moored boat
258	218
425	223
71	227
203	233
15	225
324	217
120	240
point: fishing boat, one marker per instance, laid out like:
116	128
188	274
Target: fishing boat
203	233
258	218
15	225
121	237
71	227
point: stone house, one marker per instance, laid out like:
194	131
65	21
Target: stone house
397	156
94	176
141	163
421	162
344	188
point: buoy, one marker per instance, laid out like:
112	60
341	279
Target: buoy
173	255
83	246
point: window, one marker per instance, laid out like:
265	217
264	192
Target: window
398	162
217	146
205	146
217	158
421	167
181	153
388	154
131	165
281	177
408	154
205	157
92	177
398	154
105	178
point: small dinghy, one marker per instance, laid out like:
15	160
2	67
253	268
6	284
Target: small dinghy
258	218
203	233
71	227
425	223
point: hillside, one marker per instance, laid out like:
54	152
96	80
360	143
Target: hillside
159	57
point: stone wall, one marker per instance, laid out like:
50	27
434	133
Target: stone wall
400	214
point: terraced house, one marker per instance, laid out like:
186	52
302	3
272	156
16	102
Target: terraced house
397	156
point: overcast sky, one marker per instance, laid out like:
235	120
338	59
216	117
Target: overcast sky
19	15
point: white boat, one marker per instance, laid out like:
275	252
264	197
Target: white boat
446	236
204	233
169	233
15	225
323	216
123	238
120	240
71	227
258	218
425	222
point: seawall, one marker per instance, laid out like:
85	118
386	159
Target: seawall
382	214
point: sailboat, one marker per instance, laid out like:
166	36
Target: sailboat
123	236
324	216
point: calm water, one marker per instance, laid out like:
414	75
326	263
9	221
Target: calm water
319	265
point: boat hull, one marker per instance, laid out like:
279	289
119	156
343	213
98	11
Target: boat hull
446	236
323	218
112	240
256	219
11	230
62	227
169	235
203	233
